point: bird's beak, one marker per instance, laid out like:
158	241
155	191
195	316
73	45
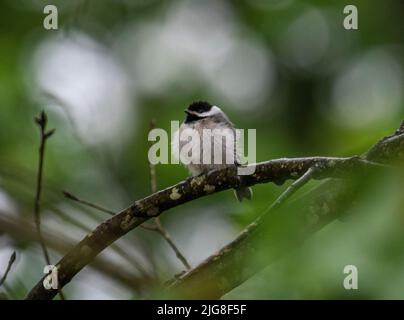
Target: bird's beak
187	111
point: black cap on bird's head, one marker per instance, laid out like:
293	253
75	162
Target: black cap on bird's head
200	110
199	107
197	110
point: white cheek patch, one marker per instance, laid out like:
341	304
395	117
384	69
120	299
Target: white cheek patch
214	110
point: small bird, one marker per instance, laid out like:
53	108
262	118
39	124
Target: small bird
201	116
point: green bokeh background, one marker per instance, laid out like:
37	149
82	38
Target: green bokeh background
332	92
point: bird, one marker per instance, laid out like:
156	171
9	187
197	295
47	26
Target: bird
202	117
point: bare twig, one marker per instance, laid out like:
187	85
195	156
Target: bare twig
157	225
87	203
10	264
144	209
161	230
297	184
41	121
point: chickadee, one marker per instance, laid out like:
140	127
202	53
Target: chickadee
201	116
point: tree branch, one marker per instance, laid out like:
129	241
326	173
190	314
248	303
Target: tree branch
231	265
155	226
21	230
120	251
277	171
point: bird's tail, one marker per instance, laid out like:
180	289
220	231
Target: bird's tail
243	193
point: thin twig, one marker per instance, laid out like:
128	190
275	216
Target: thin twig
157	225
10	264
41	121
160	229
87	203
296	185
69	195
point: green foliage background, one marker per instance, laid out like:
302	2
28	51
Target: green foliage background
332	92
